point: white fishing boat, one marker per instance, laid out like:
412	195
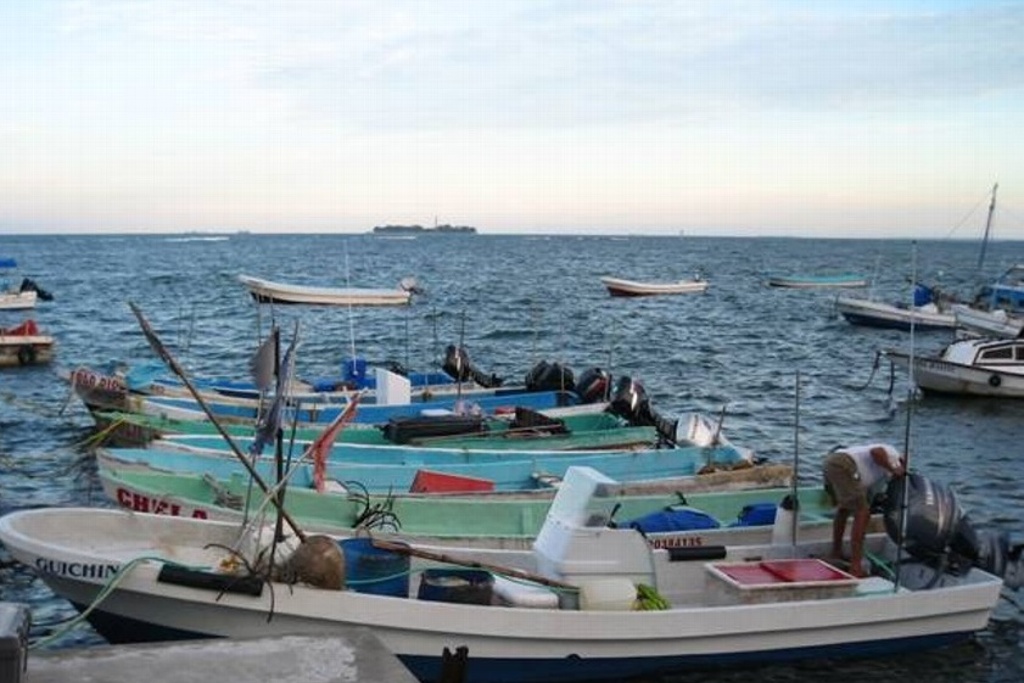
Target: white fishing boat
977	367
266	291
21	297
629	288
927	312
989	322
587	602
821	281
25	344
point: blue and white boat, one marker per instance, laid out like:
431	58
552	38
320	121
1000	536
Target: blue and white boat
928	312
587	602
244	411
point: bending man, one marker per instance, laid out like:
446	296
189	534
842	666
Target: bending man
852	476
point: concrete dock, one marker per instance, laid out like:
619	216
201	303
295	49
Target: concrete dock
358	657
351	656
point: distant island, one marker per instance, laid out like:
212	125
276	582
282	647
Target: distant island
420	230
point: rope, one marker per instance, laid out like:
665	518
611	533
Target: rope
880	564
874	369
100	437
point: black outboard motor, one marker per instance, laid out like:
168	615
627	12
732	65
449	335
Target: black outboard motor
459	367
940	533
594	385
630	402
545	376
29	285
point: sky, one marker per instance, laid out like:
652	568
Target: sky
841	119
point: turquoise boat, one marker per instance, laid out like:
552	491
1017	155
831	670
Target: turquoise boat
524	430
823	281
704	504
407	468
245	411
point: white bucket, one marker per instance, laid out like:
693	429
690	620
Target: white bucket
607	594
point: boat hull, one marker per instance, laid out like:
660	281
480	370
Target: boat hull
946	377
629	288
869	313
16	351
819	282
18	301
265	291
506	644
498	521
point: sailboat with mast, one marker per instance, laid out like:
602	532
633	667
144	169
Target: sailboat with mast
998	308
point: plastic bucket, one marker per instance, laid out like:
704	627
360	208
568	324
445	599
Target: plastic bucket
466	586
374	570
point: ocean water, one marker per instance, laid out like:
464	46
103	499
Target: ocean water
792	378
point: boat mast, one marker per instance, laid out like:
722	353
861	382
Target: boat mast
988	228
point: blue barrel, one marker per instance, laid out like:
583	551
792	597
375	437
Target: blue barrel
374	570
467	586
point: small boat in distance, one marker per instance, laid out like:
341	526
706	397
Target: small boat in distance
24	344
22	297
840	280
624	288
416	230
267	292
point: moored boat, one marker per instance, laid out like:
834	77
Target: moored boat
267	291
989	322
25	344
928	311
975	367
822	281
619	287
586	602
704	509
380	469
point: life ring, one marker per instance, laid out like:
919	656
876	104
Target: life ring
995	380
26	354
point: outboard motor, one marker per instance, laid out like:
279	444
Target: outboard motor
29	285
459	367
940	532
594	385
936	526
630	402
545	376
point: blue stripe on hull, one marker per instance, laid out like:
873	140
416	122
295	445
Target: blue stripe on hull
575	669
122	630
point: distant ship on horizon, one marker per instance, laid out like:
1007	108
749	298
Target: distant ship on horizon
413	230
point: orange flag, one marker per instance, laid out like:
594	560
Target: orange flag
321	448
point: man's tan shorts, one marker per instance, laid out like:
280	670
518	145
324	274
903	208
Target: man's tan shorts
843	482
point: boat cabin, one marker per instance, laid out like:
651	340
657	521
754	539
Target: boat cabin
1006	355
1007	292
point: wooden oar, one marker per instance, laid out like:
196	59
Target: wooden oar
465	562
163	353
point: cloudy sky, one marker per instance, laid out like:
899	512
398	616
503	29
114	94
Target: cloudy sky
850	118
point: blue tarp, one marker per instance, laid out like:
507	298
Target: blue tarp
756	514
923	295
674	519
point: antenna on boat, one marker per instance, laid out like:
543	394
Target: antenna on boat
351	322
459	359
165	355
796	458
911	395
